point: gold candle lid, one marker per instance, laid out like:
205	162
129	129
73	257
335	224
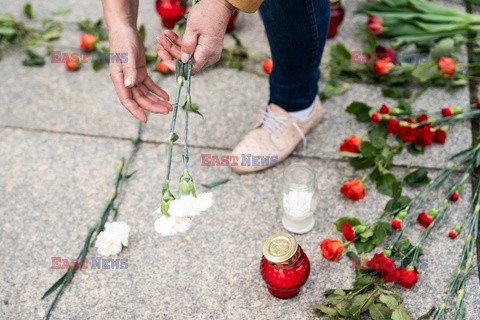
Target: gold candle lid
279	247
334	1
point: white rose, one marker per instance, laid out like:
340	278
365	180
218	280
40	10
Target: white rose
109	242
168	226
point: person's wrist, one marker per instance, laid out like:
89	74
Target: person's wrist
230	7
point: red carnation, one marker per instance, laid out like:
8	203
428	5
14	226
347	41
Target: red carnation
380	262
351	144
392	274
384	109
396	224
478	105
406	278
425	136
376	117
407	133
353	190
440	136
422	118
375	19
424	219
348	231
454	196
447	66
452	234
447	112
393	126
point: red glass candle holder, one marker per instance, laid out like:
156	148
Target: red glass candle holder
337	13
284	266
170	12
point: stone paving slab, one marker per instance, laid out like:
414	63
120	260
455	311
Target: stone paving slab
85	102
209	272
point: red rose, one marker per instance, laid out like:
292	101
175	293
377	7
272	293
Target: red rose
331	249
376	117
348	232
393	126
72	63
454	196
268	65
424	219
87	41
384	109
406	278
396	224
422	118
425	136
407	133
353	190
382	66
447	66
452	234
440	136
162	67
351	144
447	112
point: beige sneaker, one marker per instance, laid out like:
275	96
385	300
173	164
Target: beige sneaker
273	139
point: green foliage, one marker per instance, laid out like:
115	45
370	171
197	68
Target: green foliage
417	178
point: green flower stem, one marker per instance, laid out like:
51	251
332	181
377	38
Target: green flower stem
121	176
188	104
172	136
362	179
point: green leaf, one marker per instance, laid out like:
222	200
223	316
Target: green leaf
367	233
443	48
28	10
216	183
417	178
364	247
401	314
54	287
60	11
362	282
396	93
397	204
378	311
405	106
360	299
341	221
142	32
360	110
389	301
387	184
33	59
366	149
339	53
7	31
379	142
335	299
413	148
332	88
426	71
361	163
382	230
326	310
379	131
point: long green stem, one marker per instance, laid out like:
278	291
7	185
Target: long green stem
172	136
188	104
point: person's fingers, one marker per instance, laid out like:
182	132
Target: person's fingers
203	58
189	43
174	38
169	47
152	97
148	104
130	72
125	96
152	86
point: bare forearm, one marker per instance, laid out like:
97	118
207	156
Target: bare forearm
120	13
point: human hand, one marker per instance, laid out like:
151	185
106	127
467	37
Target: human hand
135	89
203	38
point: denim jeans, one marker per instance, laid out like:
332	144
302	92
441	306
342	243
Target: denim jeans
296	31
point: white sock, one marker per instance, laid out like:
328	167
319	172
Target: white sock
304	114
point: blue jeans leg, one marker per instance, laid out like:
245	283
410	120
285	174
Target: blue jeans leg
296	31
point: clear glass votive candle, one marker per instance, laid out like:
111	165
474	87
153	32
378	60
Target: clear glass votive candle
299	195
